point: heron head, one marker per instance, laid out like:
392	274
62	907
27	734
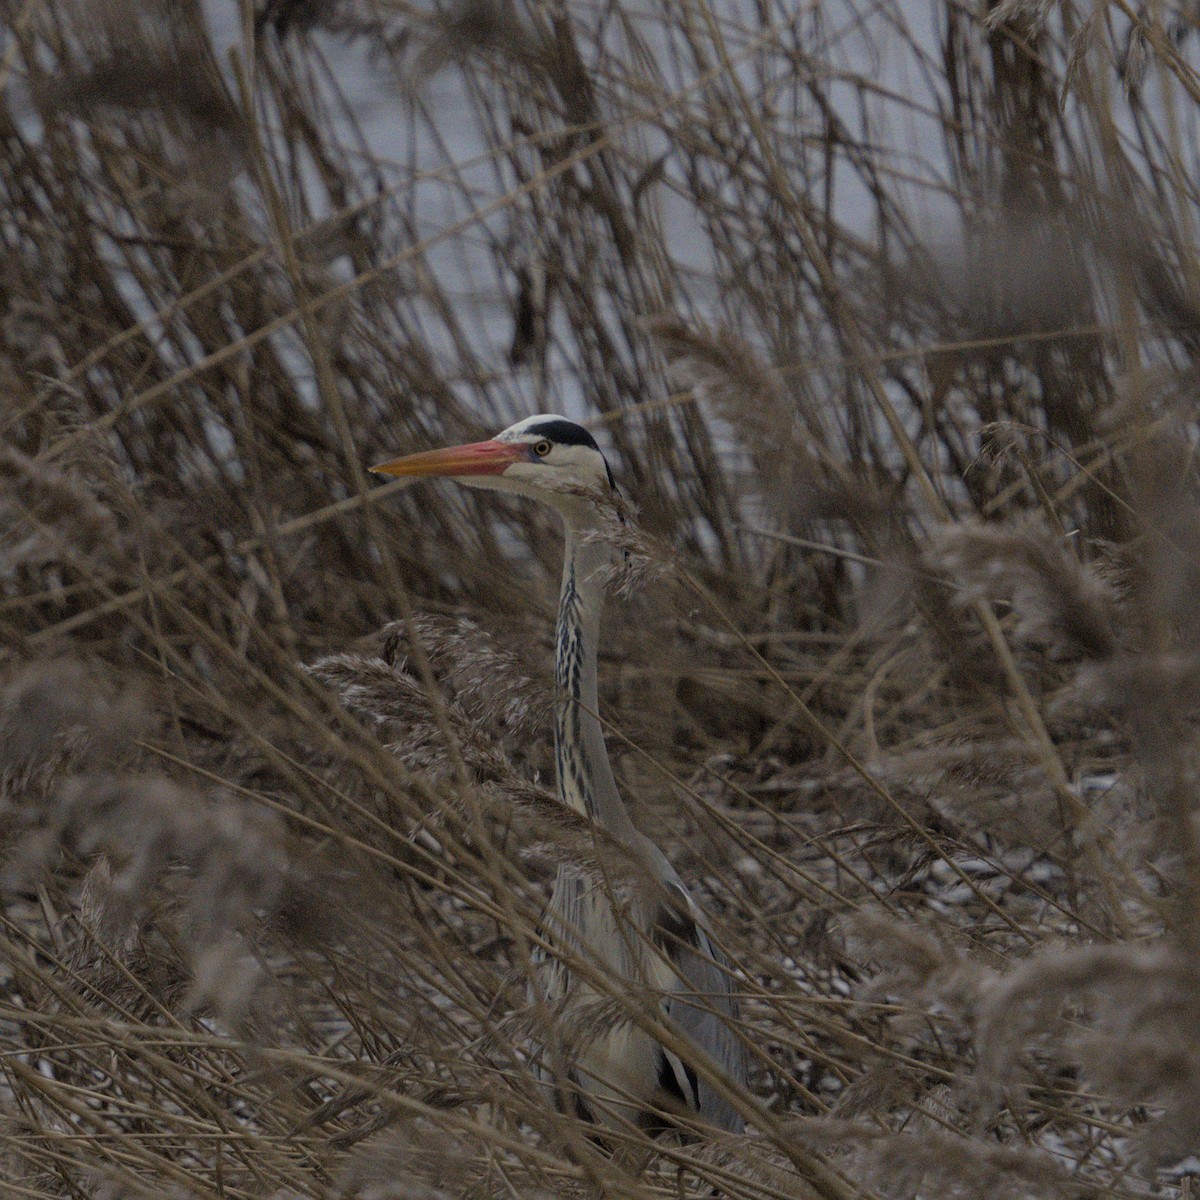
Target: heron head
546	457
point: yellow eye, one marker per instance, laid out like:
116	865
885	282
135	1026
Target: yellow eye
542	448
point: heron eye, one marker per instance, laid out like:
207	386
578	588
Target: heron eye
541	449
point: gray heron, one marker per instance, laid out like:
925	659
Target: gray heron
615	1074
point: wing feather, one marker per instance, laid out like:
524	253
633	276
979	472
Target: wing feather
703	1007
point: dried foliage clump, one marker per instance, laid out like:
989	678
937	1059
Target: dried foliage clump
1058	602
482	707
888	323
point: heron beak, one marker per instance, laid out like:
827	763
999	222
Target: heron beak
475	458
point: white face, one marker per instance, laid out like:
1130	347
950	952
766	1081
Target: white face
558	459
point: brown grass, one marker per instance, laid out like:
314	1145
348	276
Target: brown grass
902	669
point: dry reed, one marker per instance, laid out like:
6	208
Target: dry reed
901	662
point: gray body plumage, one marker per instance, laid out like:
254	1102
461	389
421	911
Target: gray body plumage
617	1073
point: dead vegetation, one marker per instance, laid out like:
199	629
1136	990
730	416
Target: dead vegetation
901	669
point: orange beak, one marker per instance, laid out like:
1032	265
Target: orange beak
475	458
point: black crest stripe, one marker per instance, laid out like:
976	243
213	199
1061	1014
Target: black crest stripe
562	433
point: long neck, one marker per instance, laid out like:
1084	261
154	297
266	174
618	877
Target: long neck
585	778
